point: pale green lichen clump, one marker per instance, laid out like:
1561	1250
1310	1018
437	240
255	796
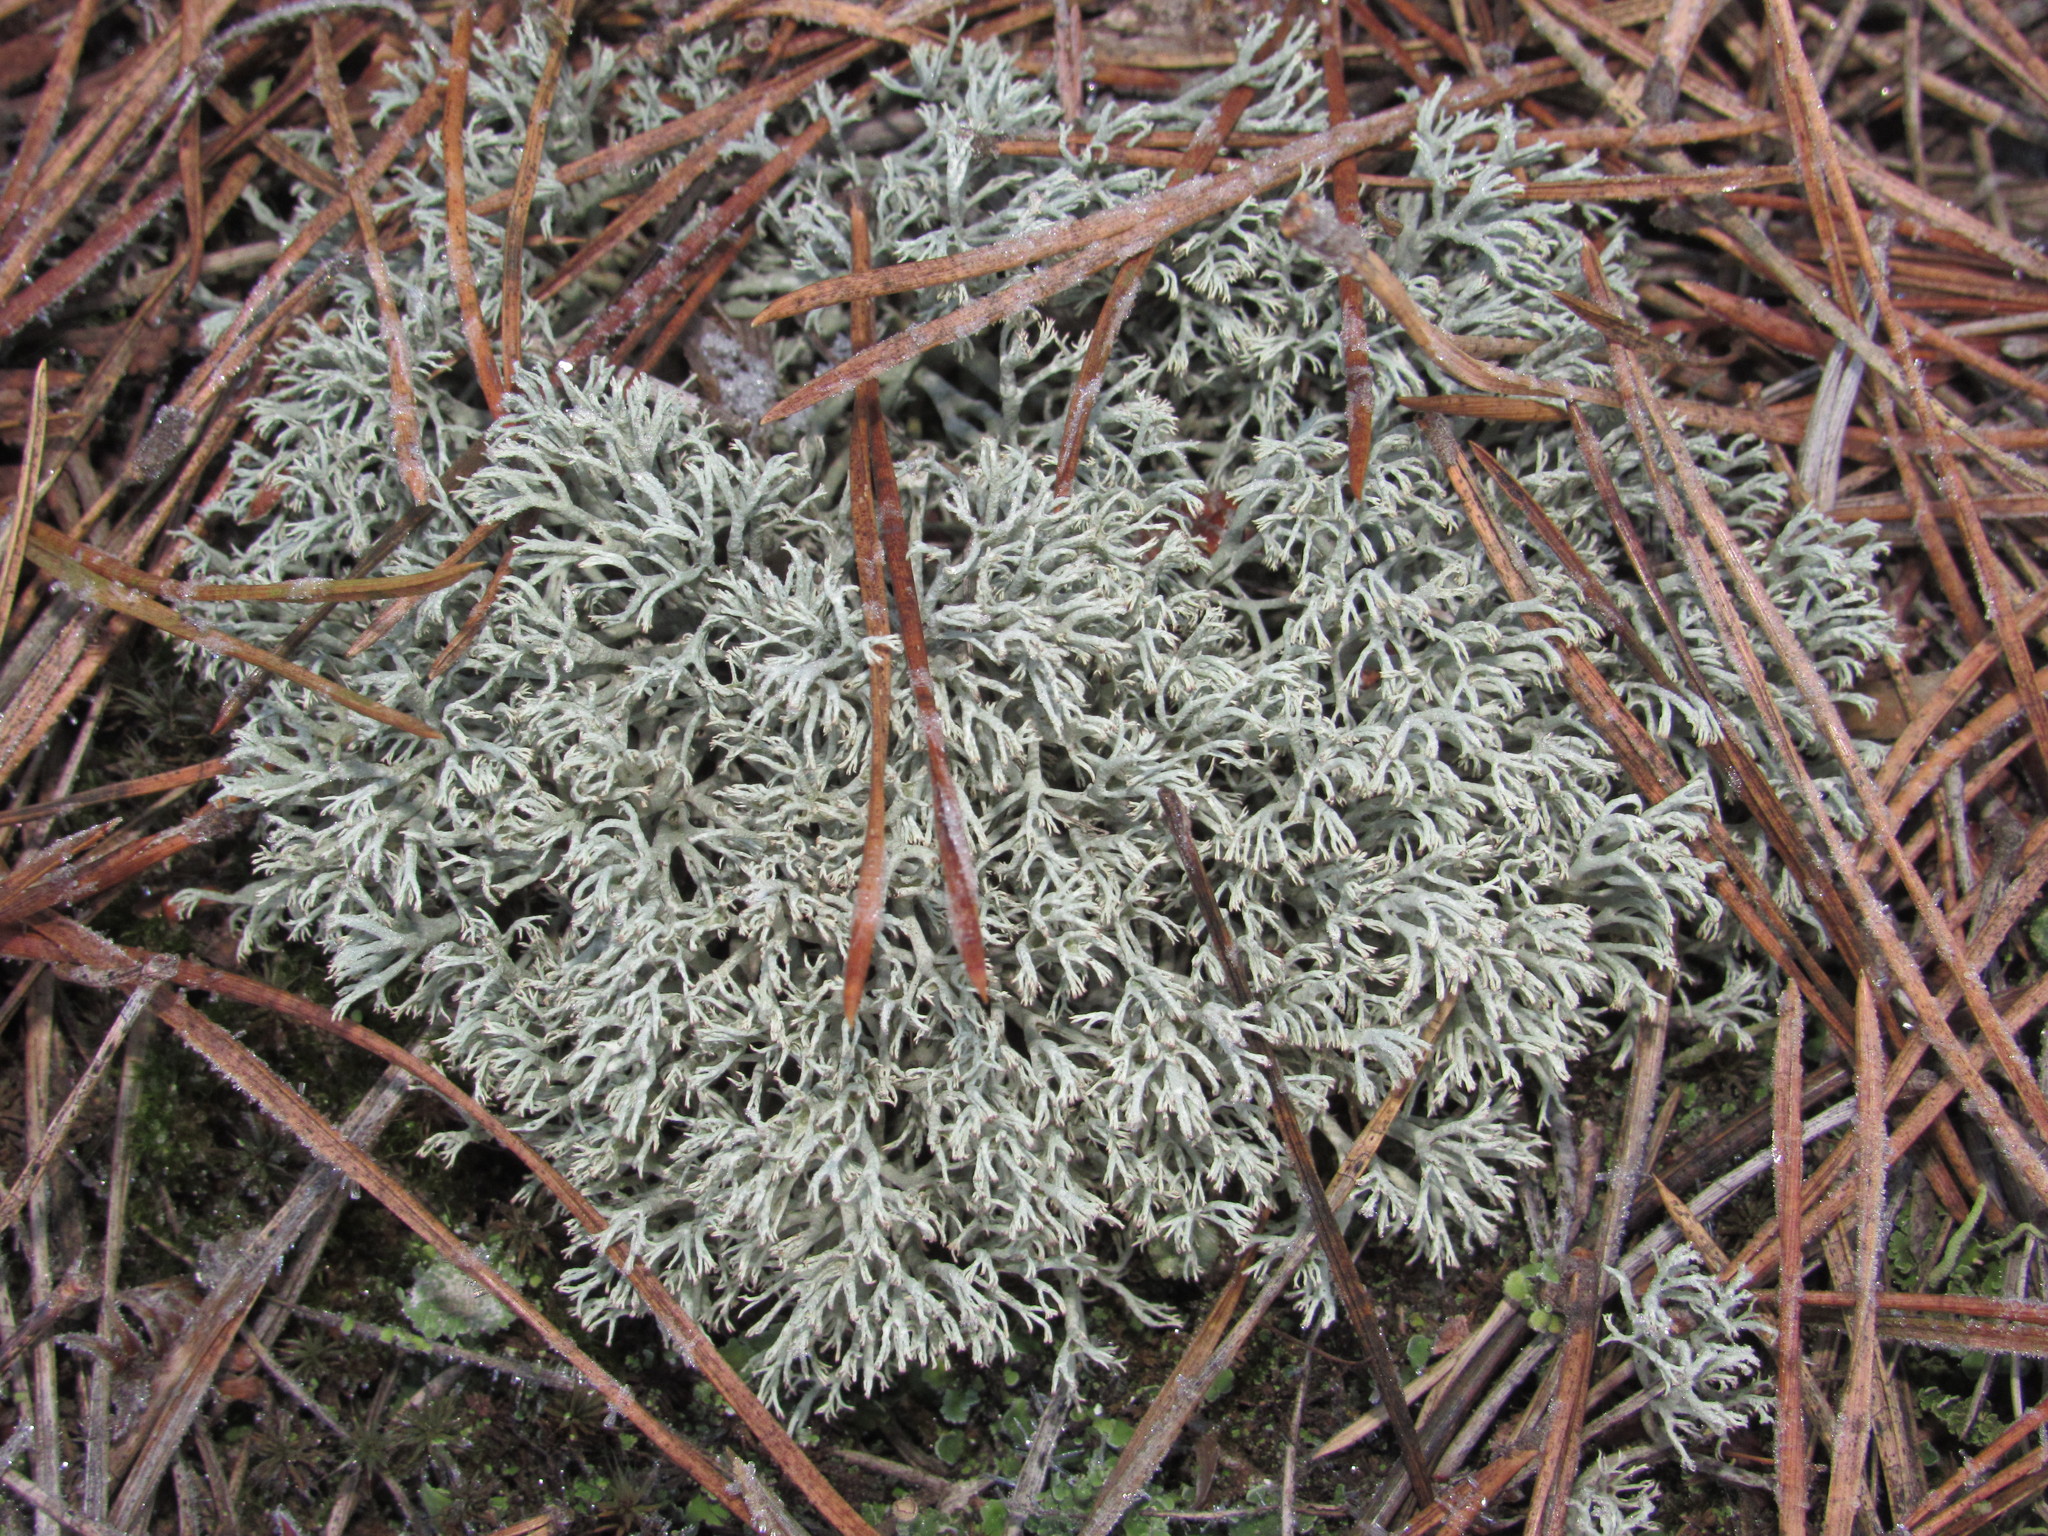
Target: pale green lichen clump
620	891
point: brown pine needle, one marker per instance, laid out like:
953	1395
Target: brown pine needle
1359	1310
693	305
49	113
844	16
405	412
1788	1150
27	488
293	1114
949	815
123	598
127	789
874	601
480	610
731	119
66	941
513	294
306	589
389	617
386	544
1353	338
230	353
1122	297
456	171
1102	240
632	306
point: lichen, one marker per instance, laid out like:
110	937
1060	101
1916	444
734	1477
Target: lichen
620	891
1682	1333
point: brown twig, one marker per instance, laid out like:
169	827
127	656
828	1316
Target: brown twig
1038	1453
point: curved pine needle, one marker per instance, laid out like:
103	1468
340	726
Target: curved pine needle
95	588
307	589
